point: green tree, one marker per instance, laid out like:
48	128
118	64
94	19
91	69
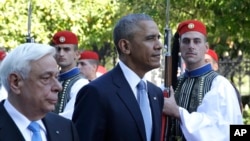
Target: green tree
93	21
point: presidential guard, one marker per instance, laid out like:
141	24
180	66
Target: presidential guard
66	44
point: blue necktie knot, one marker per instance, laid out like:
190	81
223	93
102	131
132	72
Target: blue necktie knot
35	128
141	85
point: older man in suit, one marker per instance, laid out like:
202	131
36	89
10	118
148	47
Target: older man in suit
109	107
29	74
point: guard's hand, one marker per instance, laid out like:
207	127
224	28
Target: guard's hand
170	108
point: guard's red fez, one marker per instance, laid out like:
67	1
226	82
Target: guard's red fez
65	37
2	55
213	54
191	25
89	55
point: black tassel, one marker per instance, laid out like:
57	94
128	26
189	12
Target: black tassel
175	59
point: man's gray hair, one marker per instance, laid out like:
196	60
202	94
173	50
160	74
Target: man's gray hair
125	27
19	59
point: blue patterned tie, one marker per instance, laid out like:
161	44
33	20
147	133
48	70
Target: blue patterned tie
142	98
35	128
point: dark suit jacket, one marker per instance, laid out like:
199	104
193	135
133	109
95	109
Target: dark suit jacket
57	127
107	110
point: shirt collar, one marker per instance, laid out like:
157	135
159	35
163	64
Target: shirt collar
20	120
131	76
69	74
199	71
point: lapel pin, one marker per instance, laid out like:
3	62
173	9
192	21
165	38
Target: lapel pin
57	132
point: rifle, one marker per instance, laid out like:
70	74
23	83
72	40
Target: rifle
167	70
29	39
168	57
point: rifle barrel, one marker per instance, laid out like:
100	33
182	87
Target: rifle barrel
28	37
168	59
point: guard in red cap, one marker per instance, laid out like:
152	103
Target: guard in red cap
212	58
66	44
65	37
202	104
192	25
88	64
89	55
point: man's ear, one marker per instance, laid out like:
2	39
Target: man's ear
15	81
207	46
78	54
124	46
216	66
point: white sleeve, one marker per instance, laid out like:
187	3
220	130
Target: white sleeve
69	108
219	109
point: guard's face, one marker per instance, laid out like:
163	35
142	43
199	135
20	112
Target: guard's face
193	48
66	56
209	59
87	69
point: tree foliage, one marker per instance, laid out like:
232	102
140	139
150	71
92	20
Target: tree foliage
93	21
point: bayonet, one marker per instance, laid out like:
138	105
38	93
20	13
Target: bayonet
29	38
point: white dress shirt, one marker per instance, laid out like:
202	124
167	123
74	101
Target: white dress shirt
132	78
22	122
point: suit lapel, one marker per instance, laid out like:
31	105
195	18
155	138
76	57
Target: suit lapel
128	98
155	109
154	102
8	129
53	132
